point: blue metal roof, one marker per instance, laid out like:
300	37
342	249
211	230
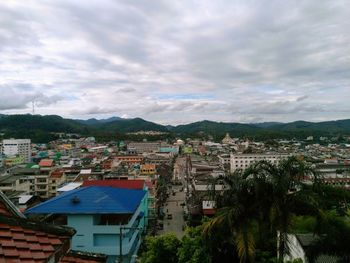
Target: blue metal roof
92	200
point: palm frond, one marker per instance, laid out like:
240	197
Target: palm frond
245	244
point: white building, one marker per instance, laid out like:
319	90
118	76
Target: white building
224	159
21	147
243	161
145	147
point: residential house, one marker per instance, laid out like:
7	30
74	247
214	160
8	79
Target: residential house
22	240
108	220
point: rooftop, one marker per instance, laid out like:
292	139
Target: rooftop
25	241
92	200
127	184
46	163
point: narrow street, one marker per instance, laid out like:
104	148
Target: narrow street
173	207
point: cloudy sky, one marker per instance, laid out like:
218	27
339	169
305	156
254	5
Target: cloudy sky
176	61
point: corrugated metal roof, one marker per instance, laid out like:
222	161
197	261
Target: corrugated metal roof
69	187
92	200
128	184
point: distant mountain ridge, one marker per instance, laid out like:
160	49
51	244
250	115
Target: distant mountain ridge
29	126
94	121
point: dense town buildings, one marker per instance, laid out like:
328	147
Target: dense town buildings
70	167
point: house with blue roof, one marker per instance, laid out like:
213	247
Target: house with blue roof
108	220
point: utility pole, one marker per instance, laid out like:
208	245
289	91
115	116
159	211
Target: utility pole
33	106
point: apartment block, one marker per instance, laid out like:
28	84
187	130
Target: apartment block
243	161
20	147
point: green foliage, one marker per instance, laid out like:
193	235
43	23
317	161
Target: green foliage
251	218
162	249
334	238
303	224
29	126
193	249
298	260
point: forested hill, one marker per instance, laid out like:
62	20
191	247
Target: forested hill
40	128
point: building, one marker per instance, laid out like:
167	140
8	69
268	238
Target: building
145	147
14	160
224	160
56	179
243	161
107	220
22	240
148	169
298	244
14	183
17	147
130	159
135	184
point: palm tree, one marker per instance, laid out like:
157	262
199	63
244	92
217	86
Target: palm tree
236	214
260	201
287	195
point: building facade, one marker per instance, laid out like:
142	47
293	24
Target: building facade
243	161
20	147
107	220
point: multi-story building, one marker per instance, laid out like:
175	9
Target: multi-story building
56	179
106	219
20	147
224	159
148	169
145	147
13	183
130	159
24	240
243	161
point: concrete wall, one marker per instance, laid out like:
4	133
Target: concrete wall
105	239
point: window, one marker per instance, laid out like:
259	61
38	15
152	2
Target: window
41	180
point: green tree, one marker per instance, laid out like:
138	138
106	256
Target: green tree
288	197
161	249
236	214
253	216
193	248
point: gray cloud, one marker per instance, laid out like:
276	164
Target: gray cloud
235	60
19	96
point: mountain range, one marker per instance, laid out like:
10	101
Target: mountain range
29	126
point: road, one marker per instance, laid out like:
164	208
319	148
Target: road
176	224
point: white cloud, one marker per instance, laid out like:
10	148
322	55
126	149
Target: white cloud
218	60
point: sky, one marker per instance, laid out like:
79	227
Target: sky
175	62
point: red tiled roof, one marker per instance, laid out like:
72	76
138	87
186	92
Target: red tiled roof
27	241
7	208
57	174
128	184
83	257
4	210
46	163
24	241
209	211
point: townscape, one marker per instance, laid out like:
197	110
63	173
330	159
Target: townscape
113	195
158	131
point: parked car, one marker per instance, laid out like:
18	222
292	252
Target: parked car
169	216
